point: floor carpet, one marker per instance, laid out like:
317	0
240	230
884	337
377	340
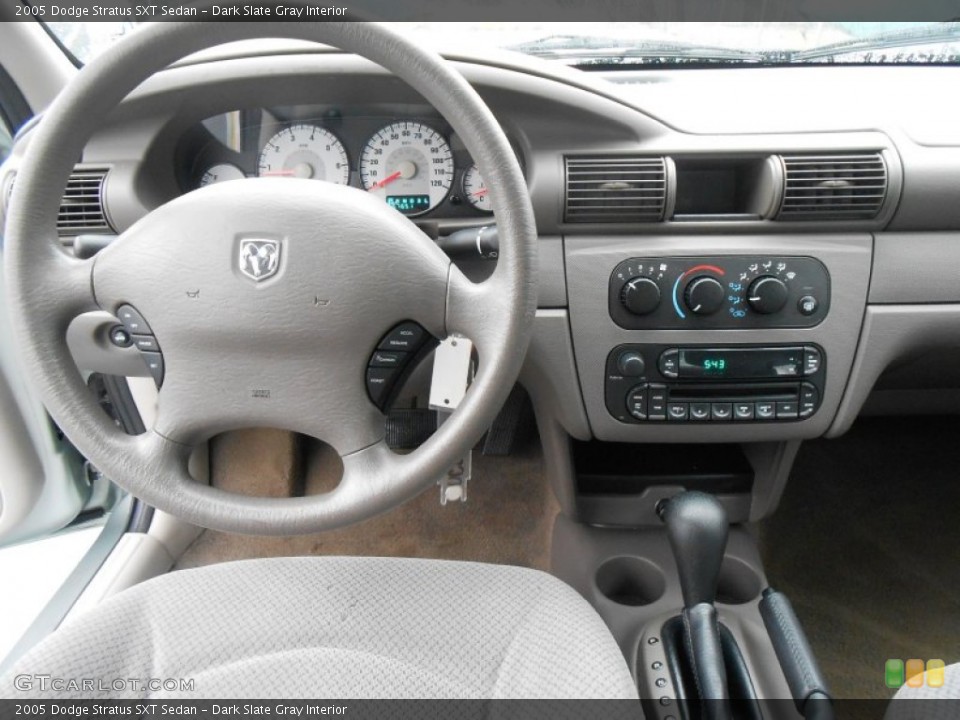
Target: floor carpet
507	519
866	544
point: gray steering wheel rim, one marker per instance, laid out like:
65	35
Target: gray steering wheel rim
48	288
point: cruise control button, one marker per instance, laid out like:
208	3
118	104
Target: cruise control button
699	411
657	402
154	361
120	337
637	402
133	321
811	360
386	359
743	411
677	411
722	411
379	383
766	410
406	337
146	343
786	411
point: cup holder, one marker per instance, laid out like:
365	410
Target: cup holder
739	583
631	581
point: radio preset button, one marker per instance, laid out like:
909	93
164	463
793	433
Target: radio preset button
699	411
786	411
721	412
743	411
677	411
766	410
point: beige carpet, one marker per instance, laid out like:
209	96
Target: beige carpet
508	518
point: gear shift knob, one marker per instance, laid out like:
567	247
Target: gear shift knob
697	527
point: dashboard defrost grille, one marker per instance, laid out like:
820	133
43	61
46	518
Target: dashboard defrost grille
615	189
833	187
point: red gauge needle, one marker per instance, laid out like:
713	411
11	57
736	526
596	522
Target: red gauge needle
386	181
480	193
285	173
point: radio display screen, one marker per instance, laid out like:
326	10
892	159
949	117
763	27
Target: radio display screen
740	363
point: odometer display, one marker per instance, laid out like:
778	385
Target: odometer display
409	165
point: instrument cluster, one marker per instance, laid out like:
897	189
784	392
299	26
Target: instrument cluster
413	160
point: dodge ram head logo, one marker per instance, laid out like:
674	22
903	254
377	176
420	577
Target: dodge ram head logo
259	259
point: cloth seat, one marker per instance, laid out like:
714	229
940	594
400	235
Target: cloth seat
316	627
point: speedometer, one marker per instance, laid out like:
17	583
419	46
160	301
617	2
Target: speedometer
305	151
409	165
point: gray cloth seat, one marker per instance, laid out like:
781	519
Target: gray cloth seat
928	703
343	628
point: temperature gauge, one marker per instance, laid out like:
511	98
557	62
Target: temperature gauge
475	190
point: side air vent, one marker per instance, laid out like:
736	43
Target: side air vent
623	189
833	187
81	209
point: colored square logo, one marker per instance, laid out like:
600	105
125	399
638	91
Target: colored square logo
893	673
935	673
914	671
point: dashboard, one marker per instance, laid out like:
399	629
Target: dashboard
406	154
695	253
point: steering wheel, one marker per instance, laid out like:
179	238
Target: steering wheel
241	353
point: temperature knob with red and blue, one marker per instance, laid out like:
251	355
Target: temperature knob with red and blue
701	291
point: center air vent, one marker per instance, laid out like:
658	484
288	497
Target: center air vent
833	187
621	189
81	209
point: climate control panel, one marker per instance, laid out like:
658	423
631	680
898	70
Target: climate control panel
700	384
732	292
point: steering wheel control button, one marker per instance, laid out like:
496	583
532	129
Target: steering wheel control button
406	337
133	321
677	412
807	305
811	360
385	359
631	364
637	402
380	383
146	343
154	361
120	337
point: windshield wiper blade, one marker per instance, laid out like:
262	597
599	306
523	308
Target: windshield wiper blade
585	50
946	32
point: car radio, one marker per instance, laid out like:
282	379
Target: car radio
726	384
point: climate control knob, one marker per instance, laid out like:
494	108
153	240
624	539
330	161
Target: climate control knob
704	295
767	295
640	295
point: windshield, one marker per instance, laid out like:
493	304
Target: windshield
601	45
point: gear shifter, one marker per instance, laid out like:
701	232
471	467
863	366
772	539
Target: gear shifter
697	528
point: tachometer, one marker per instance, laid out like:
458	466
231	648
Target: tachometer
409	165
221	172
305	151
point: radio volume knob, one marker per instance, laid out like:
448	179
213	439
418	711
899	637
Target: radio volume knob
640	295
704	295
767	295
